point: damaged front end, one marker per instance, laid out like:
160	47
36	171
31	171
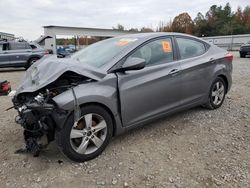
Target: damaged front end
34	115
37	111
38	114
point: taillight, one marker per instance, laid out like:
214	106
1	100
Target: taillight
229	56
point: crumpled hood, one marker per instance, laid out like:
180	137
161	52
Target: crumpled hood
48	69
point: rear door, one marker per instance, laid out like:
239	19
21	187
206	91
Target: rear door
19	53
4	57
196	68
154	89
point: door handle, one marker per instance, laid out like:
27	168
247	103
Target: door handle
174	71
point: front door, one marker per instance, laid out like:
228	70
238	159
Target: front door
153	90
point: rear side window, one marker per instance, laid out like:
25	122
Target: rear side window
156	52
190	48
19	46
1	47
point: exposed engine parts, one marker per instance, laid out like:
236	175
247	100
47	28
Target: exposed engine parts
35	112
33	117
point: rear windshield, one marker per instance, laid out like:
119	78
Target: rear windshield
33	46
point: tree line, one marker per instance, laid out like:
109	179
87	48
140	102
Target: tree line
218	20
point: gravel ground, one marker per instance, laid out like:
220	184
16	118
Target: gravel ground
195	148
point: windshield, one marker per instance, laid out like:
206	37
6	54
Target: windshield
102	52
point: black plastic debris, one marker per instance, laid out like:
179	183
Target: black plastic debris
60	162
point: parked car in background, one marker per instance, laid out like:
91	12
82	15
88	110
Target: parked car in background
117	84
61	52
245	49
19	54
65	51
70	48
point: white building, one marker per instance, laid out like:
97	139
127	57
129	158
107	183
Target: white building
7	36
53	31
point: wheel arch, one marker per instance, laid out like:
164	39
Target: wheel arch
33	56
107	109
28	63
222	76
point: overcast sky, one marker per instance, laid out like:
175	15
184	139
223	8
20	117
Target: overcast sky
26	17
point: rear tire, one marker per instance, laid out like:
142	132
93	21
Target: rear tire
217	94
87	138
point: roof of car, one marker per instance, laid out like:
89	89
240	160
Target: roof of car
151	35
155	34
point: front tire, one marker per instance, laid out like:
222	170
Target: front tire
31	62
242	55
88	137
216	94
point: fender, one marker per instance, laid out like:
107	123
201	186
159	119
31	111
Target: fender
103	92
221	70
226	71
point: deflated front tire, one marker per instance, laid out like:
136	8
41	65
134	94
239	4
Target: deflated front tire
88	136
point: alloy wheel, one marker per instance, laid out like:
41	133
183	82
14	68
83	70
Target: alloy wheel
88	133
218	93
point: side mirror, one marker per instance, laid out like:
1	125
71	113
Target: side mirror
133	63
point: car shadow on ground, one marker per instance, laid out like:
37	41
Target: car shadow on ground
52	152
162	123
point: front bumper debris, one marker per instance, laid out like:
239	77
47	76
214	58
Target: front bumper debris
35	119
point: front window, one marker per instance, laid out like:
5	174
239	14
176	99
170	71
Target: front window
156	52
101	53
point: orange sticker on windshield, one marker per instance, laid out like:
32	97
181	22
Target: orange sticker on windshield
166	46
122	42
125	41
